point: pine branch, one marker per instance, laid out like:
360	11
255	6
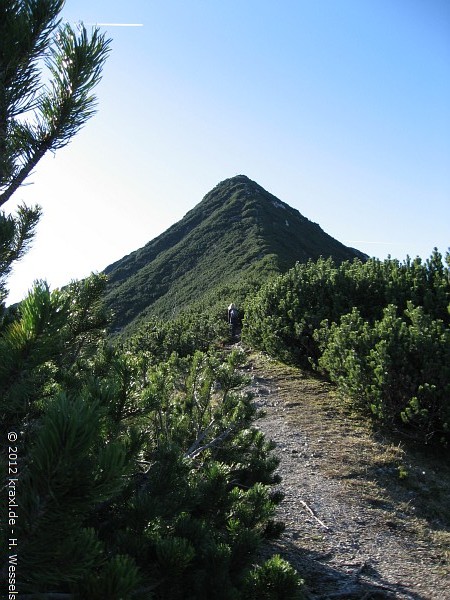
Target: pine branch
25	31
75	63
16	233
24	172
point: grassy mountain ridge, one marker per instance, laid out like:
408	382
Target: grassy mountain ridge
238	231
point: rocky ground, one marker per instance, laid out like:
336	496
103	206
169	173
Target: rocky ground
365	517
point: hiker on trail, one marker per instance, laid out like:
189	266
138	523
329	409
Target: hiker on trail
233	317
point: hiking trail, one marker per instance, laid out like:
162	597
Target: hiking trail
355	528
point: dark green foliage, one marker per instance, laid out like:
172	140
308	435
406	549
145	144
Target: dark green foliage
67	469
399	368
283	316
184	335
137	477
195	418
16	234
379	329
63	465
41	345
116	579
237	237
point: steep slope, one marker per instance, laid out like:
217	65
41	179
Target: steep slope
238	228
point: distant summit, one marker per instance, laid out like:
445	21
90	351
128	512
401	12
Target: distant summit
237	233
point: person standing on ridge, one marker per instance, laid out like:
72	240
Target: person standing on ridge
233	317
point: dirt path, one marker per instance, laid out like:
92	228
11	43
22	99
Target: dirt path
364	518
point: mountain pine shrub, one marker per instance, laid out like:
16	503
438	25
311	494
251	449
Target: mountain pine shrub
283	316
398	368
275	580
379	329
141	479
185	334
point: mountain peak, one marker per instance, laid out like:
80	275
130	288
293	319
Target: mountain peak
238	232
235	179
238	194
238	182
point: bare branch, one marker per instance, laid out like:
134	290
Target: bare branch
311	512
215	442
200	438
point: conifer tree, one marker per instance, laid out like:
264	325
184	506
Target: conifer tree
39	116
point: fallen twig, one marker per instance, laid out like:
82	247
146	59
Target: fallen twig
311	512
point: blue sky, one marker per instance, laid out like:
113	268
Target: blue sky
341	108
